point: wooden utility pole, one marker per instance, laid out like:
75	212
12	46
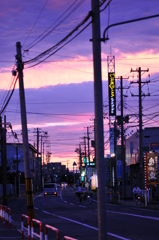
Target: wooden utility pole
99	141
28	180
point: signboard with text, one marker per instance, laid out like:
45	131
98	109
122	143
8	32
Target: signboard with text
112	97
151	169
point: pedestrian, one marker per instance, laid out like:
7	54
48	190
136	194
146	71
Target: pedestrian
136	192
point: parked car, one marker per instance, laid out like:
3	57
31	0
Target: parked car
50	189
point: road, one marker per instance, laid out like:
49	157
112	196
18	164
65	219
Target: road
80	221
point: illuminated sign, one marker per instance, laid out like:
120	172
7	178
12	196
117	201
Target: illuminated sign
112	99
151	169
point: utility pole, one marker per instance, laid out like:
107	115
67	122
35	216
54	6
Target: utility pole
95	143
88	145
80	158
38	171
28	180
17	171
85	149
3	159
99	141
41	158
122	137
140	123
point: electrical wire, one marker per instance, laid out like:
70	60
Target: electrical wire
36	41
7	101
35	22
63	40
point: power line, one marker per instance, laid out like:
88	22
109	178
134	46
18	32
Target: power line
36	41
7	100
35	22
59	43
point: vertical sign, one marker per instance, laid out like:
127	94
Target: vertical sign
152	168
145	168
112	97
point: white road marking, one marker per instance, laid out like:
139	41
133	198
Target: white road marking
65	201
71	204
36	208
88	226
38	196
82	206
135	215
46	212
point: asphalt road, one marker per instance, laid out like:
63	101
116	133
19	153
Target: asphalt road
81	222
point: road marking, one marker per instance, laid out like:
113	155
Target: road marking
94	228
71	204
36	208
38	196
65	201
134	215
82	206
46	212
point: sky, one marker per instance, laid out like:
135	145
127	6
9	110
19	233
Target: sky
59	91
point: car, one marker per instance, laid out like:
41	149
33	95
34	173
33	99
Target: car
50	189
63	184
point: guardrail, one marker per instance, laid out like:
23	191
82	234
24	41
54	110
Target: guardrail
5	215
40	236
31	233
22	225
53	229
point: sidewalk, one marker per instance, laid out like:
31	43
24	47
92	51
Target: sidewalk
128	202
9	233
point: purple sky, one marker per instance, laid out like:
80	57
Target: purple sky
59	92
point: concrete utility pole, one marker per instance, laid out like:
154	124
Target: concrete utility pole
38	170
140	124
28	180
3	159
41	162
99	141
122	137
17	182
88	145
85	149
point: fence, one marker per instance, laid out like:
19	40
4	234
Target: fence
53	229
40	236
5	215
22	225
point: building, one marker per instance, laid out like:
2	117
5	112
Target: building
150	142
53	171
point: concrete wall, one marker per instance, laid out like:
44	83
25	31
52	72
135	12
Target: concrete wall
11	190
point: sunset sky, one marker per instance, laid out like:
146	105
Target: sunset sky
59	92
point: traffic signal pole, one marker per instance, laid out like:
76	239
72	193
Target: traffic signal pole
98	98
28	180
